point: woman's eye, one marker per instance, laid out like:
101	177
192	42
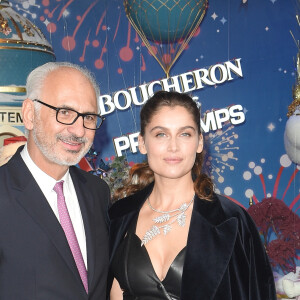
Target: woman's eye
160	134
186	134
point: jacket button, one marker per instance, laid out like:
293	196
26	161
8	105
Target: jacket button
159	286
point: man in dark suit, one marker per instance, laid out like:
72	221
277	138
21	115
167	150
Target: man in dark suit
53	216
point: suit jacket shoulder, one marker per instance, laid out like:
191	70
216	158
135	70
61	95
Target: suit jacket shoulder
246	223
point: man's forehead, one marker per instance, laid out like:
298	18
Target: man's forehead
65	71
68	87
66	80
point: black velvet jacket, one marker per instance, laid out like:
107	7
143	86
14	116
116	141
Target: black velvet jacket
225	258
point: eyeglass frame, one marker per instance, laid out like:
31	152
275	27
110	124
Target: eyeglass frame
83	115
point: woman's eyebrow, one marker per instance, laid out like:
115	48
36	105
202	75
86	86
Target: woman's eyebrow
180	129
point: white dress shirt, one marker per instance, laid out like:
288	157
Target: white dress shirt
46	184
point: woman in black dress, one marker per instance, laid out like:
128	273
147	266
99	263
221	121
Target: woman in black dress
172	237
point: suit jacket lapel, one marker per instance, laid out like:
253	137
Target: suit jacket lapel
210	245
116	236
30	197
121	215
86	203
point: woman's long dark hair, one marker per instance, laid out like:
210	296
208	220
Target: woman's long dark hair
140	174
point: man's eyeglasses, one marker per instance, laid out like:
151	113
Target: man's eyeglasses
69	116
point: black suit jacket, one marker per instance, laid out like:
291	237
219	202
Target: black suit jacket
225	259
36	262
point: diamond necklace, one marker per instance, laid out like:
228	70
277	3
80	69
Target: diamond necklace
179	216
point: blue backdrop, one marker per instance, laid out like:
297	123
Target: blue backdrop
247	161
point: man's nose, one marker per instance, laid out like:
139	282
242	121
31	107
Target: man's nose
77	127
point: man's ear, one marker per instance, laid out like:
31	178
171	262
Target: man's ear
200	145
28	114
142	146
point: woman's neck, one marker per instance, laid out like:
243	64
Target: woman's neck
171	193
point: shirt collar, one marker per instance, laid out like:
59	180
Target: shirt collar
45	182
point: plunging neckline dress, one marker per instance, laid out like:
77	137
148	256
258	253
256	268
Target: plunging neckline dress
133	269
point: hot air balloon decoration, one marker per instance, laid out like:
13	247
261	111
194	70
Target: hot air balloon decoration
165	26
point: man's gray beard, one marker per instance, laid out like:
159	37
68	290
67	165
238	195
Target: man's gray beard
39	139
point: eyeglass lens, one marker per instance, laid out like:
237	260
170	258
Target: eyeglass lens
67	116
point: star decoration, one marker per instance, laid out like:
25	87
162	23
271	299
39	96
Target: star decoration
223	20
197	59
214	16
267	28
245	110
273	1
46	22
201	56
271	127
66	13
218	30
279	69
137	48
108	28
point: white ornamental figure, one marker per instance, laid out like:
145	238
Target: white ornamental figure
292	127
290	286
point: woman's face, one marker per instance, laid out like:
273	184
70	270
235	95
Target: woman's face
171	142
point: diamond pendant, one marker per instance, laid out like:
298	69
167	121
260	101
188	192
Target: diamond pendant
178	215
150	234
161	219
167	228
181	219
